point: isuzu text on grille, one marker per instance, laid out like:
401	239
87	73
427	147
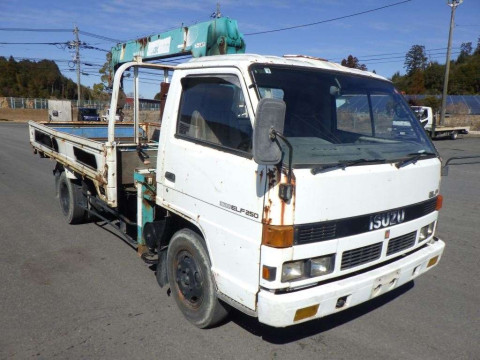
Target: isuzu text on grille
386	219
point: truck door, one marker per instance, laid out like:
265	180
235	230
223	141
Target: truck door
210	177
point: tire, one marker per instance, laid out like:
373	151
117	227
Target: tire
191	280
453	135
70	196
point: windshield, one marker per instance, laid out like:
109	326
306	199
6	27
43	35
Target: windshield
334	117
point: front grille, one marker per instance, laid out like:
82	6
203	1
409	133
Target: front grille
429	206
313	233
335	229
363	255
401	243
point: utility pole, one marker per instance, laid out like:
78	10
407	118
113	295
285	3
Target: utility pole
77	61
453	4
217	14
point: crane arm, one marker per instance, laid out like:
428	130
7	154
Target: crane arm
214	37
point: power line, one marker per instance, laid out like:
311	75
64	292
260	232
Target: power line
397	53
101	37
83	45
90	47
328	20
375	57
34	43
36	30
398	61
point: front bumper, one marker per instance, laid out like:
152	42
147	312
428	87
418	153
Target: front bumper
279	309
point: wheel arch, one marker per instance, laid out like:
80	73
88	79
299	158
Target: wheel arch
180	221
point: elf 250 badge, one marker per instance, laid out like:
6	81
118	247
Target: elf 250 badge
385	219
239	210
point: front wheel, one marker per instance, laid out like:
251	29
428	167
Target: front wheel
454	135
191	281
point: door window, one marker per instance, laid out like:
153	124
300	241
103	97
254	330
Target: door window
213	112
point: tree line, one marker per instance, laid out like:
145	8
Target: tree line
425	77
42	79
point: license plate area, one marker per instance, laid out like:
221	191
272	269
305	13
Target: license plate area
385	283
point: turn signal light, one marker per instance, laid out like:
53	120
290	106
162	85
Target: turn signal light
277	236
439	202
269	272
432	261
307	312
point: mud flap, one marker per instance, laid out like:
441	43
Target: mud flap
161	273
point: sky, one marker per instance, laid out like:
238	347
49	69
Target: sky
378	38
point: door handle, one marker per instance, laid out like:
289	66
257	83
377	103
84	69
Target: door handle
170	176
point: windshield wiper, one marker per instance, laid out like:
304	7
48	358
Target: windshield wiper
342	164
413	158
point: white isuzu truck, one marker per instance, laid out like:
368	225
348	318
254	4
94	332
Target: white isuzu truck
277	185
428	120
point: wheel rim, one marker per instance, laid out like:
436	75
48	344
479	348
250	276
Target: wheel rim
64	198
189	280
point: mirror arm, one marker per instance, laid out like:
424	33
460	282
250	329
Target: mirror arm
447	163
285	190
273	136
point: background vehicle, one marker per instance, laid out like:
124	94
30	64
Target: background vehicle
277	186
427	119
87	114
118	115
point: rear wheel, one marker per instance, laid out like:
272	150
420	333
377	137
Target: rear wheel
454	135
191	280
70	196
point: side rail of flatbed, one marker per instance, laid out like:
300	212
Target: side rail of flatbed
72	147
450	131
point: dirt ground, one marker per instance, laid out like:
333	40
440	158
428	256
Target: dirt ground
23	115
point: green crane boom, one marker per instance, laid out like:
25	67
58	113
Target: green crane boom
214	37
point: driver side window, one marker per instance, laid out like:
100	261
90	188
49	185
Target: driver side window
213	112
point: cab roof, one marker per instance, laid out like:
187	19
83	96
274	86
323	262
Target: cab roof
243	61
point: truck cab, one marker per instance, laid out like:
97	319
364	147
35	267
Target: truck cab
425	115
364	198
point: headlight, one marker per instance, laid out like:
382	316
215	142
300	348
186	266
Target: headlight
426	231
296	270
321	265
293	270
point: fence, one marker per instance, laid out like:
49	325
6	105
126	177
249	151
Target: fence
456	104
23	103
27	103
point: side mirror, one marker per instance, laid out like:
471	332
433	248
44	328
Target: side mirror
270	115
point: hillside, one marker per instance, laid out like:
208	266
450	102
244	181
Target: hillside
41	79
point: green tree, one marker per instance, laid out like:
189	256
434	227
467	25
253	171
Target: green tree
417	83
477	49
415	59
465	52
433	78
400	82
353	62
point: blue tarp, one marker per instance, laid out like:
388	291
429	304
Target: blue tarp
96	132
